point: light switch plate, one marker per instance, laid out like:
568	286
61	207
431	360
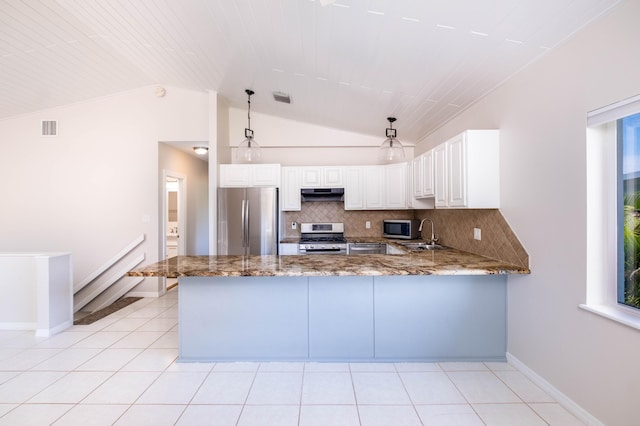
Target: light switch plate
476	234
294	225
367	224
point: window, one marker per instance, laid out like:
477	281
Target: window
613	212
628	132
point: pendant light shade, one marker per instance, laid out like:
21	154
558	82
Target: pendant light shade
248	151
391	150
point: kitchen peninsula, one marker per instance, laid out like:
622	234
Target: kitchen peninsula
435	305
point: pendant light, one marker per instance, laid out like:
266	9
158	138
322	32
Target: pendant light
391	150
248	151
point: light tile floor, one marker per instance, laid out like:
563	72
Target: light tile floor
122	370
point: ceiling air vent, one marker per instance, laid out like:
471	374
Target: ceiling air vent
49	128
281	97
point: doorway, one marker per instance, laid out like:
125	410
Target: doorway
174	218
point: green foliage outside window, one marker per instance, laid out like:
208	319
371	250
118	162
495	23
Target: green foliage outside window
631	238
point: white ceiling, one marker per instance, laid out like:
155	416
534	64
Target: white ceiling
348	64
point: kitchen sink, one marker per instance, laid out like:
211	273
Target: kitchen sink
419	246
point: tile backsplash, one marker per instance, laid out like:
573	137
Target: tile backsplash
354	220
453	227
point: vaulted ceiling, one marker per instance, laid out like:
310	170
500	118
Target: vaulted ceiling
347	64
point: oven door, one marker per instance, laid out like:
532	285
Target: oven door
333	250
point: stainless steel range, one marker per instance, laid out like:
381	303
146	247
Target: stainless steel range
322	238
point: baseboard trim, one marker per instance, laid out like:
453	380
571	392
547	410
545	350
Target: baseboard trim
48	332
18	326
562	399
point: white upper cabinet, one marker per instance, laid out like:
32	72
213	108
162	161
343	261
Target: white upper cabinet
467	171
247	175
417	174
376	187
290	189
422	173
428	183
295	178
440	178
322	177
456	161
395	184
373	187
354	188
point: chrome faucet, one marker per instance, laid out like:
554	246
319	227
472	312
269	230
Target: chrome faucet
433	238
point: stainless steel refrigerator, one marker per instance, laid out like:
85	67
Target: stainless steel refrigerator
248	221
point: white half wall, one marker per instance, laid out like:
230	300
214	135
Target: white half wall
541	114
94	188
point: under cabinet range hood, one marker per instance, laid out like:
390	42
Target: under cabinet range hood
322	194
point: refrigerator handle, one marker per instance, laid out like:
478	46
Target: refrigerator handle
243	214
246	227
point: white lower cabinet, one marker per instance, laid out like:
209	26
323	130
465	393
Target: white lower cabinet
287	249
467	171
394	250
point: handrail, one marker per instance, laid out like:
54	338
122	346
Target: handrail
80	301
122	253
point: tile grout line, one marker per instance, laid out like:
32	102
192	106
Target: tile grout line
355	394
519	397
413	404
446	372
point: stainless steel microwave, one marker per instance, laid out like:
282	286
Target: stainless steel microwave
405	229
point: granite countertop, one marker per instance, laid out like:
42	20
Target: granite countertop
432	262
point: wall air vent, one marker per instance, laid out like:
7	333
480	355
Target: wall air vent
281	97
49	128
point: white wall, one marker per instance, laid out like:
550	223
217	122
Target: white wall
94	188
542	117
295	143
197	175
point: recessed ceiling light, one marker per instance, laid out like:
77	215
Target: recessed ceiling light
510	40
406	18
375	12
341	5
478	33
200	150
446	27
